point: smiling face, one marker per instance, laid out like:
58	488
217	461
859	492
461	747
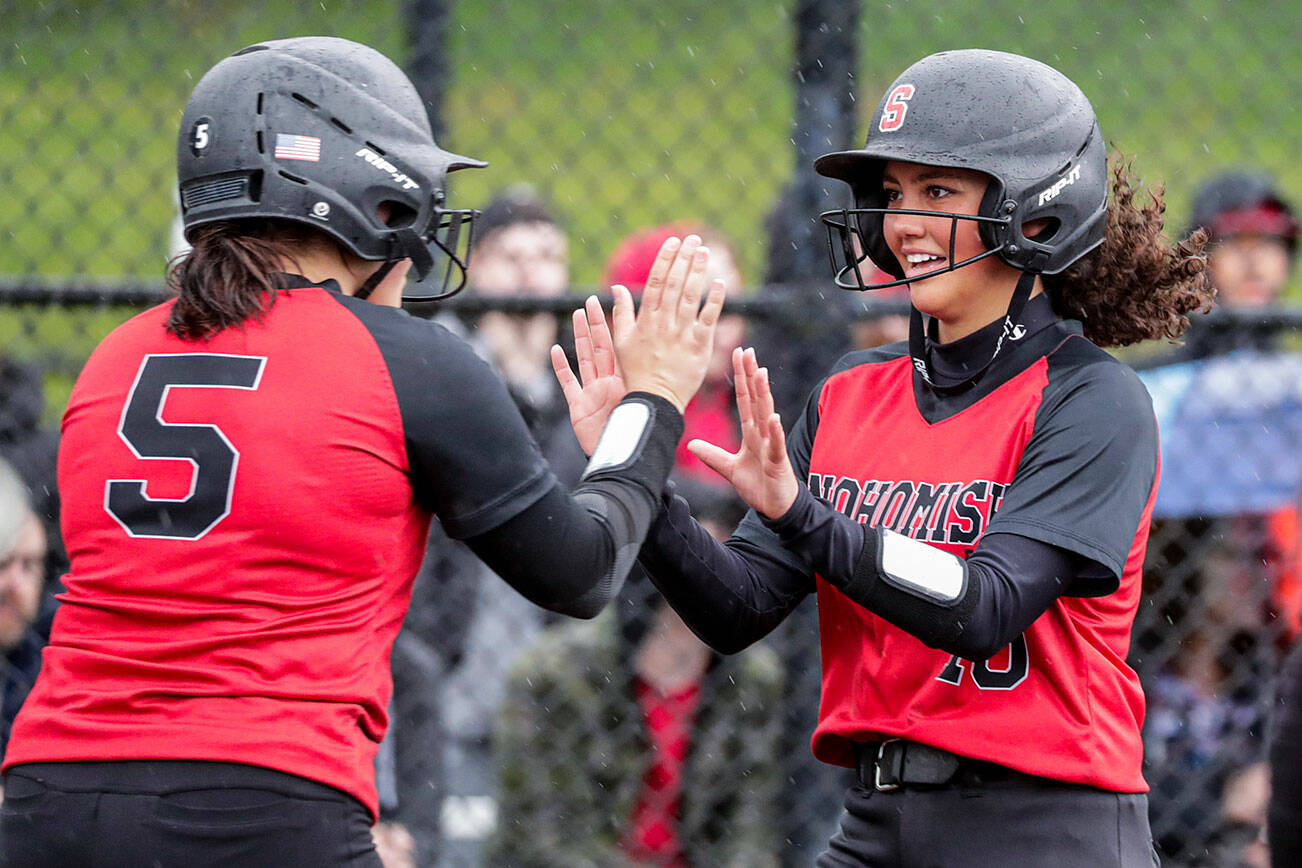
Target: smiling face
964	300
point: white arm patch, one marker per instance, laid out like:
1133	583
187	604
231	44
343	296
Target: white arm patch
623	435
921	569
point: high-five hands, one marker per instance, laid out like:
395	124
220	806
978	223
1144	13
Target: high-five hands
663	349
600	385
759	470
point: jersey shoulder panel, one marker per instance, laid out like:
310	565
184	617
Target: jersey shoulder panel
473	460
803	430
1090	466
1079	364
854	366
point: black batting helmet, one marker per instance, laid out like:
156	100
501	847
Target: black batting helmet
1023	123
323	131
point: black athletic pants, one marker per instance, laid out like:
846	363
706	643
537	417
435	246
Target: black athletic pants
1017	822
165	813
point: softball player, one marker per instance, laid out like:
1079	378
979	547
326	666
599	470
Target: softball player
973	504
249	473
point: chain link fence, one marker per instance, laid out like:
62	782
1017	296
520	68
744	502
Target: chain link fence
627	115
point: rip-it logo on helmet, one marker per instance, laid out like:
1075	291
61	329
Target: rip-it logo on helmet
399	178
1050	193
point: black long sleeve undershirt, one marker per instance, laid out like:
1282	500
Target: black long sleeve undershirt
570	552
553	553
730	594
473	463
735	593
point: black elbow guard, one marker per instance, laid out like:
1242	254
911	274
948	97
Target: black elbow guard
638	443
627	473
917	587
622	484
621	518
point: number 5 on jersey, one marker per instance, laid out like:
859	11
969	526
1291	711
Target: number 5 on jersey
205	447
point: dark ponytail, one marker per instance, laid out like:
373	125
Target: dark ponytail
230	274
1138	285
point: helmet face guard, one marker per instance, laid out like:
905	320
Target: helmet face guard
441	257
848	244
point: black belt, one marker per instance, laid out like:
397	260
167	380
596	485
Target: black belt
895	762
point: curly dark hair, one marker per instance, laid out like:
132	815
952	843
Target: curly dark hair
1137	285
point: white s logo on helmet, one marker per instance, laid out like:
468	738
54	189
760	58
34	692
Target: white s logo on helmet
896	107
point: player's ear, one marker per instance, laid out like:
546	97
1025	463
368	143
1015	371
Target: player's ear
1035	227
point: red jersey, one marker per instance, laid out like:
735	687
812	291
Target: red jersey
244	517
1058	444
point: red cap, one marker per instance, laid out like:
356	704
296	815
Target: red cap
630	263
1265	218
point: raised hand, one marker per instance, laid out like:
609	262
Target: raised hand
759	470
664	348
600	385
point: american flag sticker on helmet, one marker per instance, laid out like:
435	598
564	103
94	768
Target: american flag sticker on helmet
298	148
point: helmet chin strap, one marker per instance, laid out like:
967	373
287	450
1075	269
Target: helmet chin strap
918	342
412	248
368	286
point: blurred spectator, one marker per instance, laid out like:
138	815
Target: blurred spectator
1243	841
1233	602
626	741
810	799
23	633
1253	231
1209	701
711	415
32	450
451	661
521	250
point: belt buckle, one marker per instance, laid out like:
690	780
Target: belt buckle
877	769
